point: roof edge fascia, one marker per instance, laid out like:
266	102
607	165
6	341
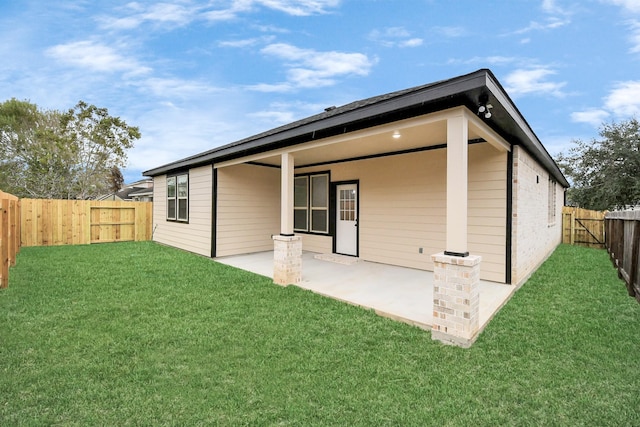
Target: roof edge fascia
404	100
435	91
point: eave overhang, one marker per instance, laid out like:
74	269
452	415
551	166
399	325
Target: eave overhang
465	91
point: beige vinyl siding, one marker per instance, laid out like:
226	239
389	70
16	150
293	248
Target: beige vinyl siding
194	236
487	208
248	211
317	243
403	207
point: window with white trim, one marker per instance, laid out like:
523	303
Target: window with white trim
178	197
552	202
311	203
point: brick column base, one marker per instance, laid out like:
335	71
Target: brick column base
287	260
456	299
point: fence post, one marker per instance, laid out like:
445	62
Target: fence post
635	248
4	243
573	227
623	244
18	226
11	243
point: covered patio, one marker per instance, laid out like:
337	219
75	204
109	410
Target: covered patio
445	177
402	294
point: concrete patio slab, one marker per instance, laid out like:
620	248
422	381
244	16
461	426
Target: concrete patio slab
399	293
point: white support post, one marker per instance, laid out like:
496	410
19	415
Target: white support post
457	187
456	283
287	247
286	195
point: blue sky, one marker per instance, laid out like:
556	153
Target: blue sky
193	75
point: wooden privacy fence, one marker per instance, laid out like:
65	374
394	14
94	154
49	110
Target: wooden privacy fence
76	222
623	245
583	227
9	234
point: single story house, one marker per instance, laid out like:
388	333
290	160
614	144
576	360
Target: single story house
139	191
389	179
449	168
142	195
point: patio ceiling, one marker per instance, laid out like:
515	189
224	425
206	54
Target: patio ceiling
414	134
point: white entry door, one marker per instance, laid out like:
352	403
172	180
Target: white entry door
347	219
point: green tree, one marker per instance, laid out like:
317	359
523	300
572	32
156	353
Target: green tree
605	172
34	157
49	154
116	180
100	143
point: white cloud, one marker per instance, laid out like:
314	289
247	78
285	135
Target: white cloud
274	118
96	57
622	102
630	5
451	32
280	113
272	87
172	131
414	42
395	37
271	29
533	81
491	60
634	36
594	117
246	42
177	15
557	143
159	13
226	14
391	32
174	87
290	7
165	12
557	17
308	68
551	6
299	7
624	99
550	24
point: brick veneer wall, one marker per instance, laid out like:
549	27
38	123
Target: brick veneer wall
534	237
287	260
456	299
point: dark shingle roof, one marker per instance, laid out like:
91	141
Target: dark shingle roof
141	191
462	90
328	113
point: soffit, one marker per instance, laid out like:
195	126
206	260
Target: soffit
415	134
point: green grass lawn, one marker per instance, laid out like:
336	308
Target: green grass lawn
141	334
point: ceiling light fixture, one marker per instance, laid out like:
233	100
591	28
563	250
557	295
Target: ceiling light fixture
396	135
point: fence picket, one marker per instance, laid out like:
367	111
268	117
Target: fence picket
583	227
9	235
623	245
72	222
